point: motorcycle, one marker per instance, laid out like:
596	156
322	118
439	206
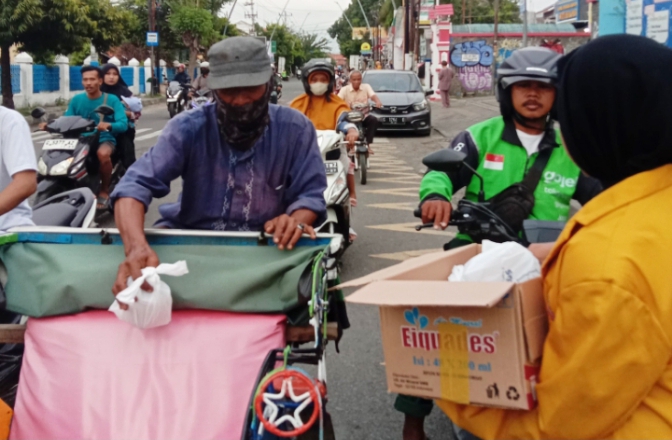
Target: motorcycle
176	97
356	116
71	161
276	94
476	219
202	97
337	194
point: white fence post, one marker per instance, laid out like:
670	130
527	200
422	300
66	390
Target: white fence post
25	61
63	64
135	88
148	76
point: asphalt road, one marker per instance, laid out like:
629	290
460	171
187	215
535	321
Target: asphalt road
359	403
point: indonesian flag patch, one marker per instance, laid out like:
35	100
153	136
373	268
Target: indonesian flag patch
494	162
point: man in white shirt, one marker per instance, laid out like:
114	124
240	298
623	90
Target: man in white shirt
358	93
18	177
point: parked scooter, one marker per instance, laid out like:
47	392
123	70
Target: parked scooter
361	152
476	219
176	97
337	194
71	161
201	97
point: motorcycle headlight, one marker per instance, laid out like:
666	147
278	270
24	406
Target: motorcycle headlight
355	116
61	168
42	167
420	105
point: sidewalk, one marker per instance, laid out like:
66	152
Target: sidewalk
57	112
462	113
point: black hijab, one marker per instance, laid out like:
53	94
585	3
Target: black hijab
120	88
615	106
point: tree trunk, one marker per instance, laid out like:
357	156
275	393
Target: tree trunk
7	95
192	61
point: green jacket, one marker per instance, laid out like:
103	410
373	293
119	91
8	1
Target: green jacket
495	151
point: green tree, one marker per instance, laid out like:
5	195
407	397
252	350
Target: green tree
483	11
48	27
169	41
342	32
195	25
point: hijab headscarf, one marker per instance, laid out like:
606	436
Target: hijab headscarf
615	106
120	89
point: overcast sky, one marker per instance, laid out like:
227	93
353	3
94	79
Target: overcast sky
316	16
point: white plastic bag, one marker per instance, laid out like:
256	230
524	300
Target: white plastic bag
148	309
508	261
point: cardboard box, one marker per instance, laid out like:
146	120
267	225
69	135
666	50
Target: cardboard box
477	343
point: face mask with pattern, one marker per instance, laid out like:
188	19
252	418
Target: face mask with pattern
242	125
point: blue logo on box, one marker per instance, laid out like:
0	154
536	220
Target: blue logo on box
414	318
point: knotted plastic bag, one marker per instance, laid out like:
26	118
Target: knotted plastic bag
508	261
148	309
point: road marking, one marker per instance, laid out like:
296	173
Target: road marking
402	179
148	136
410	227
405	255
406	192
41	136
402	206
142	130
378	140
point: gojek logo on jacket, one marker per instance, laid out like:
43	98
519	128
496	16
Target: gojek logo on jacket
415	335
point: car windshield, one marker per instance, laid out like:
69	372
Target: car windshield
393	83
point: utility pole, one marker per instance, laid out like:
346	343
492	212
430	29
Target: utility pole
524	23
252	16
345	16
464	10
407	27
495	48
278	23
151	14
228	18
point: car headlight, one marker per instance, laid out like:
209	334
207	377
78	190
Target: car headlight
420	105
42	167
61	168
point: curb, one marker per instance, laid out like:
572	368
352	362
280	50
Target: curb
57	112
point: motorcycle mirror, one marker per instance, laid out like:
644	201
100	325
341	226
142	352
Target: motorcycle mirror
445	160
38	112
105	110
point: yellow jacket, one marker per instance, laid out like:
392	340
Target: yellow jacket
606	369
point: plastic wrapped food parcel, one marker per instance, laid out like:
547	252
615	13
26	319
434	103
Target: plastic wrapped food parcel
204	362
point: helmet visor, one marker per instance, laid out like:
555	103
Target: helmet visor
510	80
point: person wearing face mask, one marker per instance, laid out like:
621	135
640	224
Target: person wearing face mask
327	111
245	165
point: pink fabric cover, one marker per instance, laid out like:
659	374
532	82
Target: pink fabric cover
92	376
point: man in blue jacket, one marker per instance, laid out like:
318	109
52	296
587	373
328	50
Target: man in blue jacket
245	164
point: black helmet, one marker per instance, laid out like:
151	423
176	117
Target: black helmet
205	70
317	65
526	64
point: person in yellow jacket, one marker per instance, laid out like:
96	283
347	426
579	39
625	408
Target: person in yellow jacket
606	370
328	112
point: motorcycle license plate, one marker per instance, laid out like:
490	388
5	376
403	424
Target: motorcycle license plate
395	121
331	167
60	144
